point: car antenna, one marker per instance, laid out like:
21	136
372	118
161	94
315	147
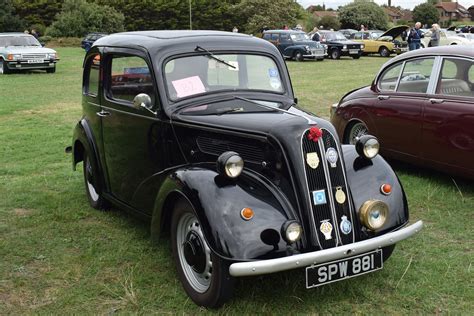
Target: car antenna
214	56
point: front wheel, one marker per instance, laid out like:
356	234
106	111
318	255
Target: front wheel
335	54
384	52
51	70
204	276
299	56
3	68
354	132
356	56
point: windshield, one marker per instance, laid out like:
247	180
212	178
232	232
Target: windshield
208	73
335	36
299	37
18	41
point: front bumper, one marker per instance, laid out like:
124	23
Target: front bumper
23	64
317	54
260	267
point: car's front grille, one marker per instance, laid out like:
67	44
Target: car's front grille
213	146
329	179
34	56
353	46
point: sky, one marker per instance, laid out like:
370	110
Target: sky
406	4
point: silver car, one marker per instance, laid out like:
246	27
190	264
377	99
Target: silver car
19	51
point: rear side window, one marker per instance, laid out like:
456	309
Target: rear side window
284	37
267	36
275	37
129	76
92	75
416	75
456	77
388	80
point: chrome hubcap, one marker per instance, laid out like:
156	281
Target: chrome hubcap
357	131
1	67
194	253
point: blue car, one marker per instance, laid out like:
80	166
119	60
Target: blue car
90	39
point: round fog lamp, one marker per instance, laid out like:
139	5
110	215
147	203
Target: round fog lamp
373	214
367	146
230	164
292	231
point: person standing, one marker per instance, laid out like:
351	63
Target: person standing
434	41
235	29
316	36
362	28
414	37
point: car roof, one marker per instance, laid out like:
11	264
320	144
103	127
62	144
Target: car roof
15	34
283	31
448	50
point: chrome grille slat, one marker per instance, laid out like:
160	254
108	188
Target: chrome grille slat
34	56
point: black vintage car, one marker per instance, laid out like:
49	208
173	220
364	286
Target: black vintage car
338	45
199	133
295	44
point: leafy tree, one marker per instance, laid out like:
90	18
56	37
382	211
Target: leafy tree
425	13
256	14
9	21
329	22
78	18
37	13
363	12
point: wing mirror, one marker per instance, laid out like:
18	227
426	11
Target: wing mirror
143	101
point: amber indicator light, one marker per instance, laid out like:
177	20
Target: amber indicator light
246	213
386	189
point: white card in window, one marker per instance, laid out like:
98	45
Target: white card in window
188	86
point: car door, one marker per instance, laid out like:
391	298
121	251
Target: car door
398	109
126	130
448	125
284	42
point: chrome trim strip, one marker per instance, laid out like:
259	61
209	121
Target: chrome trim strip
260	267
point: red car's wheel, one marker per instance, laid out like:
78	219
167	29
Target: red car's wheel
354	132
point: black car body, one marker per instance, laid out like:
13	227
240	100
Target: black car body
90	38
338	45
294	44
198	132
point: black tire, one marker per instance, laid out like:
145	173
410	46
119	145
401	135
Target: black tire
353	132
51	70
384	52
387	252
92	183
4	68
207	281
335	53
356	56
298	56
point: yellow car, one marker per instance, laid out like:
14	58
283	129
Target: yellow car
383	43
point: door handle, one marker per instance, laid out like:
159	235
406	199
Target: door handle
383	97
103	113
436	101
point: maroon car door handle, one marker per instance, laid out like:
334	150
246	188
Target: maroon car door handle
436	101
383	97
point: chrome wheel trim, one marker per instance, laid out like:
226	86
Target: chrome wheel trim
200	282
90	187
357	130
1	69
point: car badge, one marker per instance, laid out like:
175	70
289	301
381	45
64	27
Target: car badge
312	160
319	197
332	156
340	195
346	226
326	229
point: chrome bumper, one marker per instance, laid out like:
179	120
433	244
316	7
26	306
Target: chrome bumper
307	259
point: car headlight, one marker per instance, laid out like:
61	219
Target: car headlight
52	56
362	46
291	231
307	48
373	214
230	164
344	47
13	56
367	146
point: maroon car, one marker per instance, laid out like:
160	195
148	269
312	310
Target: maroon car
421	108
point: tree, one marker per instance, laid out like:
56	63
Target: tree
256	14
363	12
426	14
37	12
9	21
78	18
329	22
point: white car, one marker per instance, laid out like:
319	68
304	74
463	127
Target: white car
20	51
469	36
446	38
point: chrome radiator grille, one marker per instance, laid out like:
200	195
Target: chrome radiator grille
34	56
328	178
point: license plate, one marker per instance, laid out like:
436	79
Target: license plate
343	269
353	51
35	61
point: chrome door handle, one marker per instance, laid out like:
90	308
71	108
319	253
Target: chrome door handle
103	113
436	101
383	97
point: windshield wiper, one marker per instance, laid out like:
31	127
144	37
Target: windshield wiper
214	56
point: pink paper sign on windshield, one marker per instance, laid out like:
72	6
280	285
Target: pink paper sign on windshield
188	86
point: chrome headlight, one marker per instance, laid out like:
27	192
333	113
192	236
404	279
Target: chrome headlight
367	146
307	48
344	47
373	214
291	231
230	164
52	56
362	46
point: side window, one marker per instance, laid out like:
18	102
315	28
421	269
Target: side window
267	36
358	36
388	80
275	37
456	77
129	76
92	75
416	75
284	38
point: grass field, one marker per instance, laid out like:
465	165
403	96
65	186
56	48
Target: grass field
59	256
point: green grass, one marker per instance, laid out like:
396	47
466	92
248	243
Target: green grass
59	256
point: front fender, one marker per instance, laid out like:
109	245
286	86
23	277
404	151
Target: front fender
365	177
218	203
290	51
